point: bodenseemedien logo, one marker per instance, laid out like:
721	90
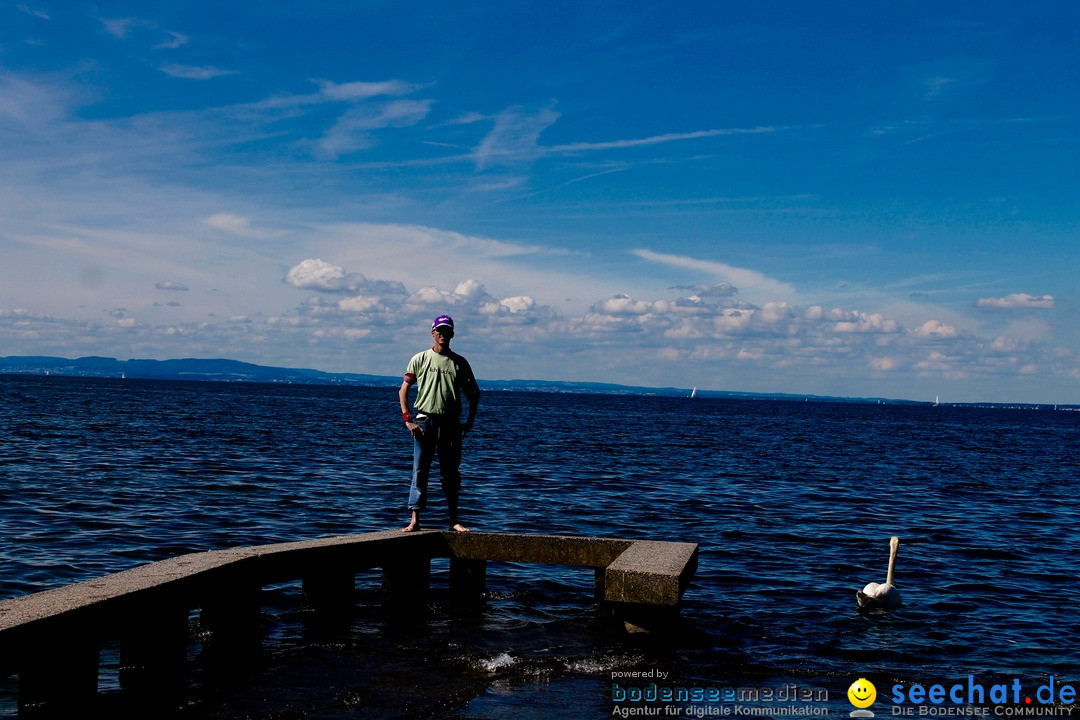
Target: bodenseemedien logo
862	694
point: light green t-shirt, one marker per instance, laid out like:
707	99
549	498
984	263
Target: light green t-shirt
440	382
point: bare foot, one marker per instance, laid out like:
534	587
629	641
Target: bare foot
458	527
414	522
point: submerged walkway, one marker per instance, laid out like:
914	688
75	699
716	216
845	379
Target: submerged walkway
52	639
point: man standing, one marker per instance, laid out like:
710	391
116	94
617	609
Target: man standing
441	377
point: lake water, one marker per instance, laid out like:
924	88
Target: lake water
792	503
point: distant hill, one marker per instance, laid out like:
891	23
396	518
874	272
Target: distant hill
223	370
219	370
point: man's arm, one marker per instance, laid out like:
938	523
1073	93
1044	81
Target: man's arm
473	402
403	397
471	390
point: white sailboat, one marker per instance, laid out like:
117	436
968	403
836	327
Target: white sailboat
693	393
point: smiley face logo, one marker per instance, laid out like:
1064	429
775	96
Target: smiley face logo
862	693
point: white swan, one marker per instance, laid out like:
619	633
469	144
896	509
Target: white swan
883	595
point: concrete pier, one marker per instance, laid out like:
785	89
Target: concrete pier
51	639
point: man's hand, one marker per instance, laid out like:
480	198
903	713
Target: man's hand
466	427
415	430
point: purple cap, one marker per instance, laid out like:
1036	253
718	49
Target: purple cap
443	321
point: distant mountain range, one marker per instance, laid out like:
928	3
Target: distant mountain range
223	370
219	370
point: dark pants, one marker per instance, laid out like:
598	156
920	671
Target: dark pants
442	437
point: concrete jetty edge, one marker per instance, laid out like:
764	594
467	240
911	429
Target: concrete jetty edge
51	639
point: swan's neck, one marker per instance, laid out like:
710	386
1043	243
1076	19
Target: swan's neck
894	543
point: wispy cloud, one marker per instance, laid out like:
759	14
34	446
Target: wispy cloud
332	92
194	72
515	137
176	40
266	216
360	90
352	130
723	289
1017	301
238	225
743	278
940	79
35	12
655	139
29	101
120	27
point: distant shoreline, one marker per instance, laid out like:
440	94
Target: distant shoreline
224	370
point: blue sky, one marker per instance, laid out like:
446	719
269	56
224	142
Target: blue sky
843	198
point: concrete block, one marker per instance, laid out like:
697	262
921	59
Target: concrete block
651	573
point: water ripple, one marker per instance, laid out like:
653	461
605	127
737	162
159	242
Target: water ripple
793	504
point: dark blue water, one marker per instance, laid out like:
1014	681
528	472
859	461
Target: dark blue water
792	504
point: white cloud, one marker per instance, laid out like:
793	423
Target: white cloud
353	91
315	274
120	27
723	289
773	313
1004	344
644	334
421	255
360	304
237	225
884	364
194	72
61	204
1017	301
472	290
517	305
936	330
33	101
229	223
941	362
467	294
862	322
622	305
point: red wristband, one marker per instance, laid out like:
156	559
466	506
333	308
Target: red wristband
406	416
